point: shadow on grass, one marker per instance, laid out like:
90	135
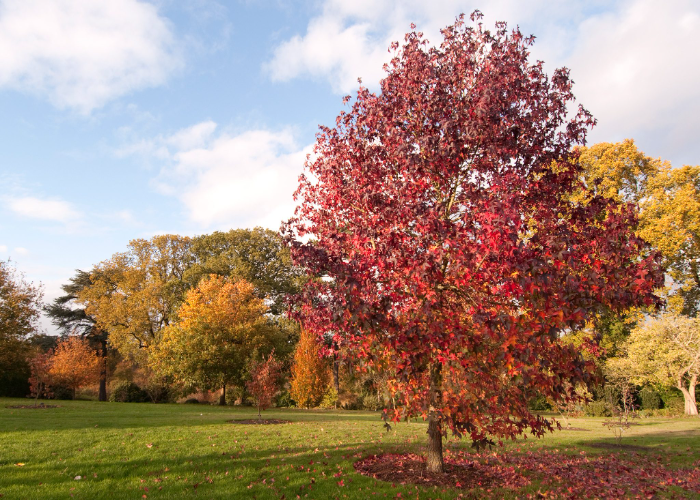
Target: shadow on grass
80	414
296	470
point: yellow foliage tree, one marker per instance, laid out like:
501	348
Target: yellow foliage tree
222	326
669	208
617	170
74	364
134	294
664	351
310	372
670	220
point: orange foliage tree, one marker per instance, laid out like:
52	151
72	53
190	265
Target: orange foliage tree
75	364
264	381
310	373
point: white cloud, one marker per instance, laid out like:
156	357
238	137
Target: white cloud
42	208
21	251
636	63
81	53
192	137
351	39
3	248
640	73
229	180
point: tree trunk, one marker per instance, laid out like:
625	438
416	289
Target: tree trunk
434	461
222	398
336	377
102	393
691	407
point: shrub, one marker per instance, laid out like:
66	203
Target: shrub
650	399
349	401
372	402
158	393
234	395
598	409
539	403
330	398
284	400
62	392
128	392
14	385
675	406
192	401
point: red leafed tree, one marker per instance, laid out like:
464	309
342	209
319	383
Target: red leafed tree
40	379
75	363
439	213
264	383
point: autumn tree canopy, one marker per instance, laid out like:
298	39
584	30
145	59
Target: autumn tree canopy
71	319
440	215
20	307
669	208
310	371
221	327
665	351
74	364
136	293
257	255
671	222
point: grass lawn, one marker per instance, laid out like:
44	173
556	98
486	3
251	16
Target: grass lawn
123	450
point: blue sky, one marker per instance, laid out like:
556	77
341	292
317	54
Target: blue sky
130	118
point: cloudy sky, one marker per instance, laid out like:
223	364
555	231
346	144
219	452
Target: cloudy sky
130	118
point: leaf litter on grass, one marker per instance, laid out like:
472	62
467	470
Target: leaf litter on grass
562	475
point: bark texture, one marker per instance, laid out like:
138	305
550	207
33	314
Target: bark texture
434	461
102	393
691	406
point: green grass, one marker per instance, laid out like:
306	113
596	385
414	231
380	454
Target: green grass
194	452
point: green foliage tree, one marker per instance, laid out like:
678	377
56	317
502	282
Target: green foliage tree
20	308
664	351
256	255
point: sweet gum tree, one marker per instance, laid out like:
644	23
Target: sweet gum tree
40	379
264	383
439	214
